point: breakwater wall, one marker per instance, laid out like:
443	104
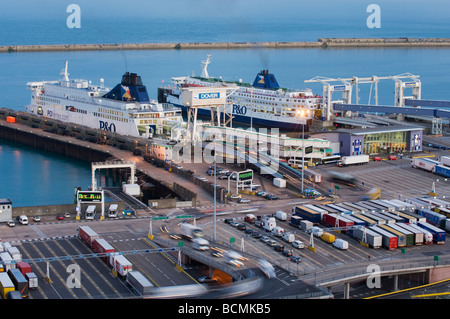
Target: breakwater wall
320	43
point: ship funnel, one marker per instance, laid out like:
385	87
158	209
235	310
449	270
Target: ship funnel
265	80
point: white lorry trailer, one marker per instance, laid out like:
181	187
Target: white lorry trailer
353	160
425	163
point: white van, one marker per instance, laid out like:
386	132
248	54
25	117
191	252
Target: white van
340	243
112	211
317	231
200	244
23	219
90	212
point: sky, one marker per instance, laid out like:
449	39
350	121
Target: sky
413	10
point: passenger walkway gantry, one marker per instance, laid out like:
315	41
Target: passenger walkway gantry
347	88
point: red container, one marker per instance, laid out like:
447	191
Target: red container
23	267
330	220
86	234
101	246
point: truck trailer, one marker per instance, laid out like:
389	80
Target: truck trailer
6	284
389	239
87	235
353	160
19	281
191	231
308	214
372	238
141	284
101	246
425	164
438	234
120	264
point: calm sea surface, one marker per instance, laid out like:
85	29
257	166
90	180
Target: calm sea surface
31	177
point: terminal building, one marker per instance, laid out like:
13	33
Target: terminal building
373	141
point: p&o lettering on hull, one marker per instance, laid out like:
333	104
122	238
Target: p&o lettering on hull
239	110
107	127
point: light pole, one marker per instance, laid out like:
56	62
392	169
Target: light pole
215	190
303	153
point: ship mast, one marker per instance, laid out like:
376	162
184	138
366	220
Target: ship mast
64	72
205	66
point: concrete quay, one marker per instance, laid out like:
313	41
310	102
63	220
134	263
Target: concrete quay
320	43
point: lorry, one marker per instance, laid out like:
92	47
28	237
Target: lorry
112	210
19	281
6	284
32	280
307	213
433	217
120	264
23	267
334	220
340	244
306	225
316	231
442	170
250	218
269	223
353	160
280	215
295	221
277	231
101	246
425	164
191	231
328	237
87	235
139	283
200	244
445	160
438	234
373	239
288	237
389	240
7	261
14	253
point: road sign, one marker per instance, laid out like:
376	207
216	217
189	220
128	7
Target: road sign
185	216
160	217
180	244
308	149
232	240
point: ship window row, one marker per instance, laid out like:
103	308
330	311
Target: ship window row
108	111
47	99
148	121
110	117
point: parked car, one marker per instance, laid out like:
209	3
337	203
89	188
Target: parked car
295	259
249	231
60	217
207	280
271	242
279	247
244	200
258	223
234	224
377	158
298	244
262	193
264	239
272	197
67	215
255	234
241	227
228	220
234	196
10	223
392	157
37	218
287	252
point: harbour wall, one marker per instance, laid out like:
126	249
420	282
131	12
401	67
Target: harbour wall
320	43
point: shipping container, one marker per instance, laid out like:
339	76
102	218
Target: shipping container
410	236
383	216
432	217
367	207
23	267
101	246
356	221
19	281
438	234
295	221
10	119
308	214
6	284
389	239
139	282
401	238
317	209
87	235
355	207
32	280
334	220
368	236
120	264
418	235
409	217
388	206
7	261
366	219
379	220
14	253
339	208
425	163
328	237
393	217
427	236
328	209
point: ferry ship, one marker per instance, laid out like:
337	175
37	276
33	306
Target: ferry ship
126	109
262	104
